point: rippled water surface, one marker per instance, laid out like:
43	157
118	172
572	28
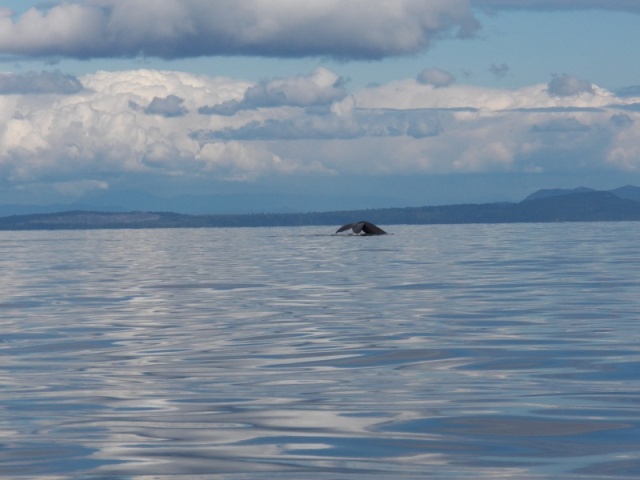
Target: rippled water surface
486	351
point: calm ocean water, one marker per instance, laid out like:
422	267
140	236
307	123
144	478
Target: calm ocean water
485	351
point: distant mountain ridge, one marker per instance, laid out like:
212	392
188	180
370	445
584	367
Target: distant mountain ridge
557	205
628	192
556	192
215	204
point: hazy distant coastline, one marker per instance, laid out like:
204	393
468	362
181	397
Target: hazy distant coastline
555	205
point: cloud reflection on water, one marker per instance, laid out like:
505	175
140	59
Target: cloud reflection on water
503	351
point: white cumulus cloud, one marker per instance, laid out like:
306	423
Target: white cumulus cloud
149	124
321	87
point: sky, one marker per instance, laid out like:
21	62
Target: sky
286	105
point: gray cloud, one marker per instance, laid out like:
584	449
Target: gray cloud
568	85
228	108
623	5
170	106
39	83
621	120
561	125
499	71
630	91
435	77
290	129
557	110
630	107
192	28
322	87
364	123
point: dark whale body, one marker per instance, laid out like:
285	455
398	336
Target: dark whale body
367	228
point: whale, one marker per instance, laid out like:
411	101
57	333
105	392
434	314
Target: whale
362	227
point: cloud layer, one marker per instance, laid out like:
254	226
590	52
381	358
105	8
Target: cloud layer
322	87
38	83
435	77
621	5
79	133
189	28
347	29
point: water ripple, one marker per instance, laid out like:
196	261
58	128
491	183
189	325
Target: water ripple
482	351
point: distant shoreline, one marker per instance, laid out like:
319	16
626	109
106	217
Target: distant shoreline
544	206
